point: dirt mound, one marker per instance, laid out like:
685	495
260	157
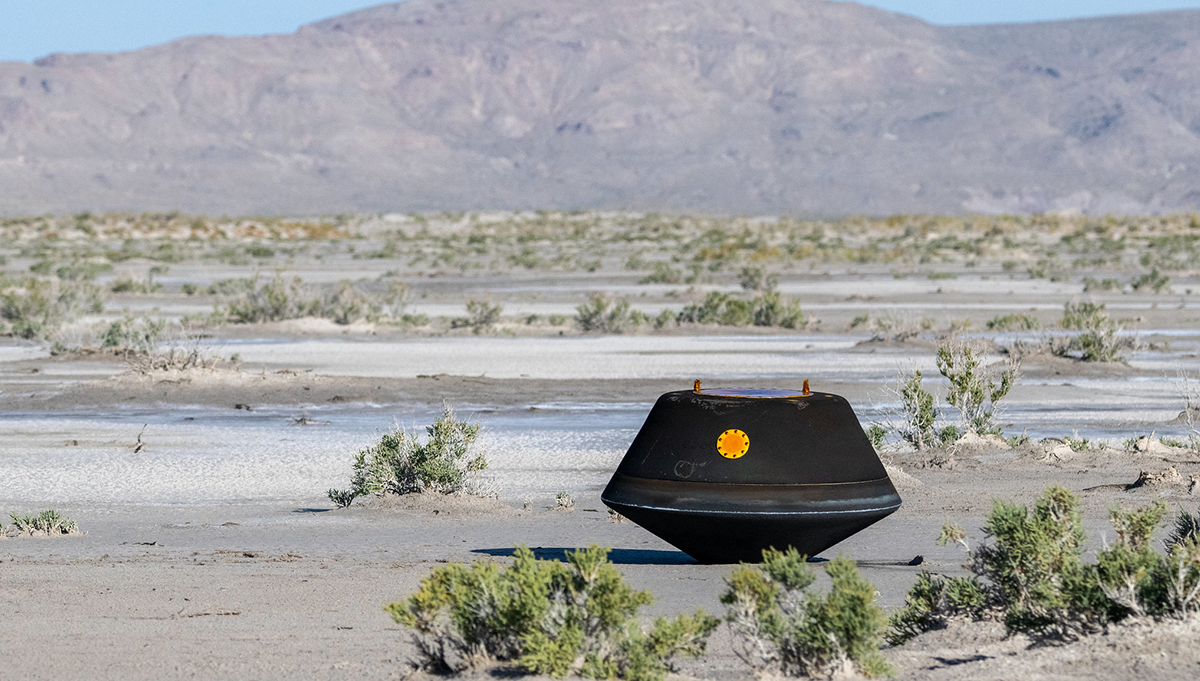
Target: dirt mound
900	479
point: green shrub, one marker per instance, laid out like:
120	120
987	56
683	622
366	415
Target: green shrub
135	334
129	284
768	309
1032	572
1092	284
707	312
1014	322
1049	268
918	412
1152	281
1186	529
933	602
899	329
600	313
85	270
232	287
546	617
974	389
876	434
662	274
757	279
771	309
1077	444
780	625
276	300
36	307
401	464
1097	341
47	522
481	316
664	318
345	305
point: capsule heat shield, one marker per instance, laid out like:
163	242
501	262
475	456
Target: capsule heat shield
724	474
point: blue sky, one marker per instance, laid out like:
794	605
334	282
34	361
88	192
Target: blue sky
34	28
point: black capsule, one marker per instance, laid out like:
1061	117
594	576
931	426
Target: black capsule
723	474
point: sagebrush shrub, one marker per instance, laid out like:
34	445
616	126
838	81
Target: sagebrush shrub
1097	340
918	412
1031	572
934	601
974	388
546	617
780	625
140	334
767	309
601	313
37	307
400	463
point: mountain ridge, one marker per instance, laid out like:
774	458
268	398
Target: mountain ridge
727	106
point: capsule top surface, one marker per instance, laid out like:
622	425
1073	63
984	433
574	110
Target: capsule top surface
721	436
750	393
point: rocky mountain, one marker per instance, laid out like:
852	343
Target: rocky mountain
732	106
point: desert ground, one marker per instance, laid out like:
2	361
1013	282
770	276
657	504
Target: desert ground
210	548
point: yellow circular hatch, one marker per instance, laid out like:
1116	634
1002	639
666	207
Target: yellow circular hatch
733	444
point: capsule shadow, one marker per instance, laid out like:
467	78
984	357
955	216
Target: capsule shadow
617	556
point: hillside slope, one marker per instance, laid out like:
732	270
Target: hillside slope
746	106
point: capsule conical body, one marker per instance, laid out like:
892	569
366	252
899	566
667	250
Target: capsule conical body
724	474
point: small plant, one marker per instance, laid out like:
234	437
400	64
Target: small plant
564	501
130	284
877	434
1014	322
345	305
780	625
771	309
600	313
918	411
1017	440
1077	444
1091	284
1097	340
1172	442
36	308
664	319
47	522
400	463
482	314
974	389
342	498
757	279
139	334
899	328
1152	281
546	617
1186	529
933	602
662	274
